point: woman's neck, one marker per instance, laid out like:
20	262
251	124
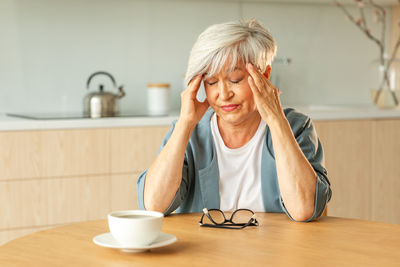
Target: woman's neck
237	135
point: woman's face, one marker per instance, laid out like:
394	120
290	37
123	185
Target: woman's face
230	95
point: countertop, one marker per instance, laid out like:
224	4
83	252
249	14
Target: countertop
317	113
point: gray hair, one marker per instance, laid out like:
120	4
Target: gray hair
246	42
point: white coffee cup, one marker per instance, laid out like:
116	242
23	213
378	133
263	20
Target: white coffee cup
135	228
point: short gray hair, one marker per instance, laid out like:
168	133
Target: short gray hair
246	42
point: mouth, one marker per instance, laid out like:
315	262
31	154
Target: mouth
230	107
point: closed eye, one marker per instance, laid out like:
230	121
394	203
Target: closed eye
238	81
212	83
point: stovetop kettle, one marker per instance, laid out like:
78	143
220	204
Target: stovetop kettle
102	103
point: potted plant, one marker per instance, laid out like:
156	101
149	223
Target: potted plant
385	95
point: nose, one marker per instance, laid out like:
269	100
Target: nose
225	91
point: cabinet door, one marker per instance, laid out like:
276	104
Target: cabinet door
347	149
45	202
52	177
53	153
134	149
123	196
386	171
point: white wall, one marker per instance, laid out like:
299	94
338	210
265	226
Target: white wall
49	48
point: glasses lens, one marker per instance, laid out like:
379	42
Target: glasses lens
216	215
242	216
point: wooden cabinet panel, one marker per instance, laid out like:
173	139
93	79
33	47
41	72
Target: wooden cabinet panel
347	149
386	171
29	203
134	149
75	152
63	176
78	199
20	154
23	203
124	196
34	154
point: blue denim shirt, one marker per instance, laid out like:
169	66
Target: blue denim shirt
199	187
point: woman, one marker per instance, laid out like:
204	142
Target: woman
238	148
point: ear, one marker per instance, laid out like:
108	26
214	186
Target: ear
267	72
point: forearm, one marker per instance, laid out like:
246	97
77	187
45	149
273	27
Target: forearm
296	176
165	174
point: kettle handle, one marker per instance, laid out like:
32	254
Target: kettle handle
101	73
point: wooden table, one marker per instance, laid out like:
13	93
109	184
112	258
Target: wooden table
331	241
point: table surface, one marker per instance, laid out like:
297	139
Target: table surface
277	241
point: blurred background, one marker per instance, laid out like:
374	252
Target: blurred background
49	48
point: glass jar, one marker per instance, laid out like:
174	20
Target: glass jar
385	87
158	99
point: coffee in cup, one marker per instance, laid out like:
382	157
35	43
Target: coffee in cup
135	228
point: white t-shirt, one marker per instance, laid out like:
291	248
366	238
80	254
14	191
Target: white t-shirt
239	171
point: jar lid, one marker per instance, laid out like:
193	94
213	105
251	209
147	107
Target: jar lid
165	85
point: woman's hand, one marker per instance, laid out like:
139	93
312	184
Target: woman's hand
192	110
296	176
266	96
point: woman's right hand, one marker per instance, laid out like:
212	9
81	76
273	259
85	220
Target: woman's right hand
192	110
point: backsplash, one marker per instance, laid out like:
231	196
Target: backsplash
49	48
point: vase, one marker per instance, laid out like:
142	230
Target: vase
385	90
384	99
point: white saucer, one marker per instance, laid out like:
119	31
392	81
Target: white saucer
107	240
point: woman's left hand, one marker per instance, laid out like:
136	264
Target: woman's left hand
266	96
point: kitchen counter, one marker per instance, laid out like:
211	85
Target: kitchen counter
317	113
347	112
8	123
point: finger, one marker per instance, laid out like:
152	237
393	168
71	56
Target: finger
257	76
253	86
273	87
261	81
193	87
194	84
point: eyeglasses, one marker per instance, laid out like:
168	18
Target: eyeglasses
239	219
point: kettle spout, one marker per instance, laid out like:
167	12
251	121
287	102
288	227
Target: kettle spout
121	92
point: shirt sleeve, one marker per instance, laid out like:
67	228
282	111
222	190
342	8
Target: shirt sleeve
306	136
182	190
